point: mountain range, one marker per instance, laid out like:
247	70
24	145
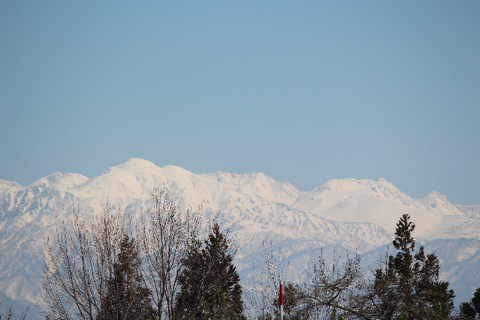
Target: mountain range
348	214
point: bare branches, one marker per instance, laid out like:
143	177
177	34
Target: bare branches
337	285
261	295
332	285
166	231
80	259
9	314
78	262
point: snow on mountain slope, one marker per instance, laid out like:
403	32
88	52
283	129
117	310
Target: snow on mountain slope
436	202
338	190
135	178
257	184
460	265
471	211
382	203
29	214
9	186
354	200
357	215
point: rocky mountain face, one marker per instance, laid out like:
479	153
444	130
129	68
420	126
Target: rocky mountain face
354	215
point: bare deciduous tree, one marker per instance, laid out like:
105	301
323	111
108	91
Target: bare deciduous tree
79	261
9	314
166	231
338	287
80	258
262	292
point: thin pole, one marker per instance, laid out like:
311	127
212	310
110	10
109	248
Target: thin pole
281	301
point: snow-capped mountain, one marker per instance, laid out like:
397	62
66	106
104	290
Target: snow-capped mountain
358	215
382	203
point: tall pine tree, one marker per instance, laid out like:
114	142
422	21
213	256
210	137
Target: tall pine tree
210	286
475	302
469	311
408	287
127	297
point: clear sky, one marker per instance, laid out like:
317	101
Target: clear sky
304	91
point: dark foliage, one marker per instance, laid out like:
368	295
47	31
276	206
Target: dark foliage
408	286
475	302
467	312
294	306
210	286
127	297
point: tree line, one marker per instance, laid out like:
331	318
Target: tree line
404	286
102	266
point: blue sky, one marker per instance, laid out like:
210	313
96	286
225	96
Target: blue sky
303	91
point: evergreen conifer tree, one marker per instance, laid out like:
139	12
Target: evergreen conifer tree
466	311
210	286
126	296
469	311
408	287
475	302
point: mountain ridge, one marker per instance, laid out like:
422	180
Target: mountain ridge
353	214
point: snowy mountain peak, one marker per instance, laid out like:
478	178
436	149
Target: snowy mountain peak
9	185
435	195
338	190
142	168
57	181
256	184
46	181
435	201
348	185
136	165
